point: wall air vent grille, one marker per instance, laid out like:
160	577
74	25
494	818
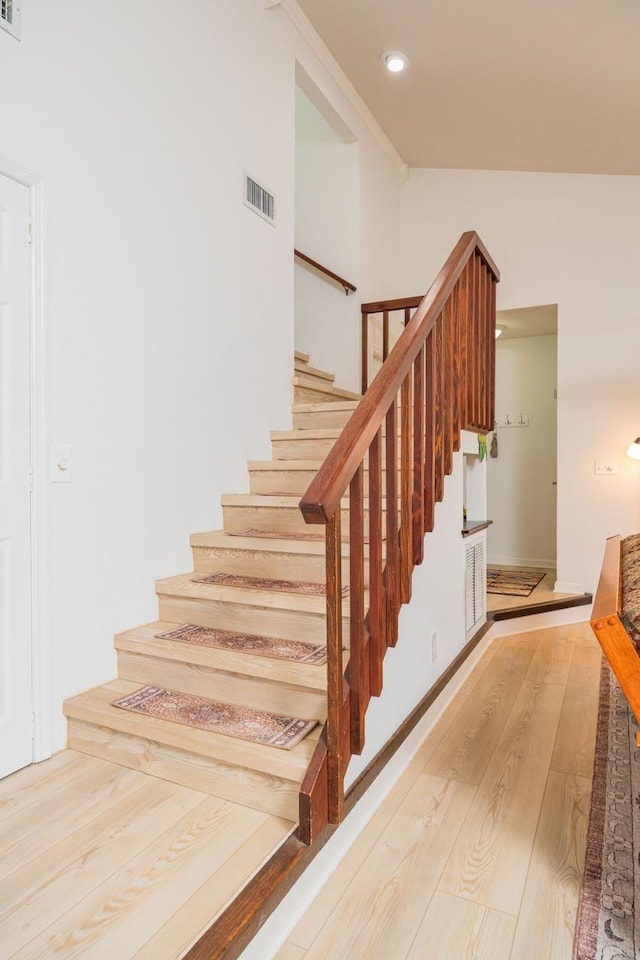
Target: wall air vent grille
259	199
10	17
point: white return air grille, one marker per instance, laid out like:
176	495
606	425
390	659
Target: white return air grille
10	17
475	585
259	199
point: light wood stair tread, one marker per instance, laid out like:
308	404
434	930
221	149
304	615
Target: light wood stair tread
95	706
219	538
277	500
285	465
183	585
303	357
324	433
325	407
222	540
144	640
299	380
302	366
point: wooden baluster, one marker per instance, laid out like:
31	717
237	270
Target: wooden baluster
439	410
336	759
482	346
385	335
429	434
406	491
492	354
455	366
392	567
447	398
473	306
417	509
364	360
464	299
377	634
407	315
359	674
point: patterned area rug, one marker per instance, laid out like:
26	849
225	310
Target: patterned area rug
273	647
512	583
241	722
608	926
264	583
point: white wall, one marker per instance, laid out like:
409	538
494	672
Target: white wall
571	240
169	305
437	606
520	491
327	202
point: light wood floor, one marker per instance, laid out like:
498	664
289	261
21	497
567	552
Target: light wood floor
477	854
542	593
99	862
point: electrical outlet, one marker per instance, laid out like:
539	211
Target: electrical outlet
433	649
604	469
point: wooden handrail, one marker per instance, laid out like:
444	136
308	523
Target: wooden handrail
348	287
437	380
399	304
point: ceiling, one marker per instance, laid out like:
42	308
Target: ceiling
528	322
539	85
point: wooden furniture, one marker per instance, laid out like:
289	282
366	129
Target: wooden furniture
617	598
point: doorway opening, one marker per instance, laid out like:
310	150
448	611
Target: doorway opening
522	460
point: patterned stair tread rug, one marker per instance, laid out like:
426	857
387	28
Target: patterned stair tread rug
608	923
265	583
274	647
241	722
282	534
512	583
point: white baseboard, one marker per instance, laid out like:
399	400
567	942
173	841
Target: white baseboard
540	621
566	586
282	921
522	562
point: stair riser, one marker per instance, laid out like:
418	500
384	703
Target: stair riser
285	519
277	566
218	685
312	395
321	419
302	449
260	791
266	622
290	482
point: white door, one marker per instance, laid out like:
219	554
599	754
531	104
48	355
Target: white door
16	737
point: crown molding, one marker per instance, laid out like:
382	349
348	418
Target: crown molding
310	36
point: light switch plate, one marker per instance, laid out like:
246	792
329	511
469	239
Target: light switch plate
60	463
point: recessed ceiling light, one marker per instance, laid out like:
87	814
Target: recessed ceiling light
395	61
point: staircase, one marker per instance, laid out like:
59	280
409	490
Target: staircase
264	537
370	471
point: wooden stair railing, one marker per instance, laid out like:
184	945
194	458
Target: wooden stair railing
386	307
437	380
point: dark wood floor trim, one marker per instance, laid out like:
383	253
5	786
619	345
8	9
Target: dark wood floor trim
525	610
231	933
